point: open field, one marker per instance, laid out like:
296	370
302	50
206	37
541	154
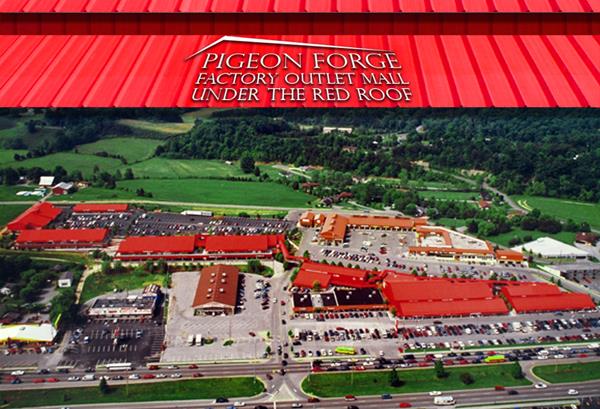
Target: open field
165	128
503	239
208	388
8	155
9	212
17	128
96	193
451	223
563	208
98	283
563	373
71	162
132	149
448	195
163	168
219	192
204	113
55	255
415	380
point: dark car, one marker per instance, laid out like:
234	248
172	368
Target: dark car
513	392
386	396
221	399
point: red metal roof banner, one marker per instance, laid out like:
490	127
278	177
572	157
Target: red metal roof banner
157	244
558	302
100	208
299	71
492	306
297	6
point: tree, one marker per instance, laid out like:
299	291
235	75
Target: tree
440	371
247	163
103	386
128	174
466	378
316	286
395	380
254	266
517	371
306	254
256	171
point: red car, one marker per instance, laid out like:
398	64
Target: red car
39	380
405	405
148	376
153	367
193	366
349	397
52	380
197	375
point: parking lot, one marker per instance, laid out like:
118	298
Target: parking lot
114	340
374	332
118	223
247	328
173	223
586	274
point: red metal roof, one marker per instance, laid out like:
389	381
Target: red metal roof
530	289
347	6
327	275
100	208
63	236
558	302
217	284
36	217
443	70
451	308
307	279
231	244
435	290
157	244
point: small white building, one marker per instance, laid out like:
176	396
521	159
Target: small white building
65	280
46	181
330	129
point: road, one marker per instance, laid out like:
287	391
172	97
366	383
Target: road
159	202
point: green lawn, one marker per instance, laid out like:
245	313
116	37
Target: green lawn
576	372
132	149
451	223
209	388
219	192
563	209
71	162
98	283
503	239
8	155
164	128
19	130
449	195
9	193
96	193
9	212
162	168
415	380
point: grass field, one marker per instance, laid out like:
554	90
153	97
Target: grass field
57	255
71	162
220	192
503	239
9	212
7	156
448	195
96	193
165	128
98	283
563	209
19	130
415	380
576	372
162	168
451	223
209	388
132	149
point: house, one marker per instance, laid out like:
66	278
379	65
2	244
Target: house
46	181
65	280
216	291
62	188
134	306
587	238
484	204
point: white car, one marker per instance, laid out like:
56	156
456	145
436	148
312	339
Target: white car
239	404
17	373
176	375
572	392
134	376
540	385
73	378
160	376
435	393
296	405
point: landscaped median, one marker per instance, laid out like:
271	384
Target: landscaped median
329	385
208	388
564	373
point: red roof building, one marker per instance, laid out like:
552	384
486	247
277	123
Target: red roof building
37	216
100	208
216	292
330	275
239	244
558	302
509	256
539	297
157	245
493	306
62	238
